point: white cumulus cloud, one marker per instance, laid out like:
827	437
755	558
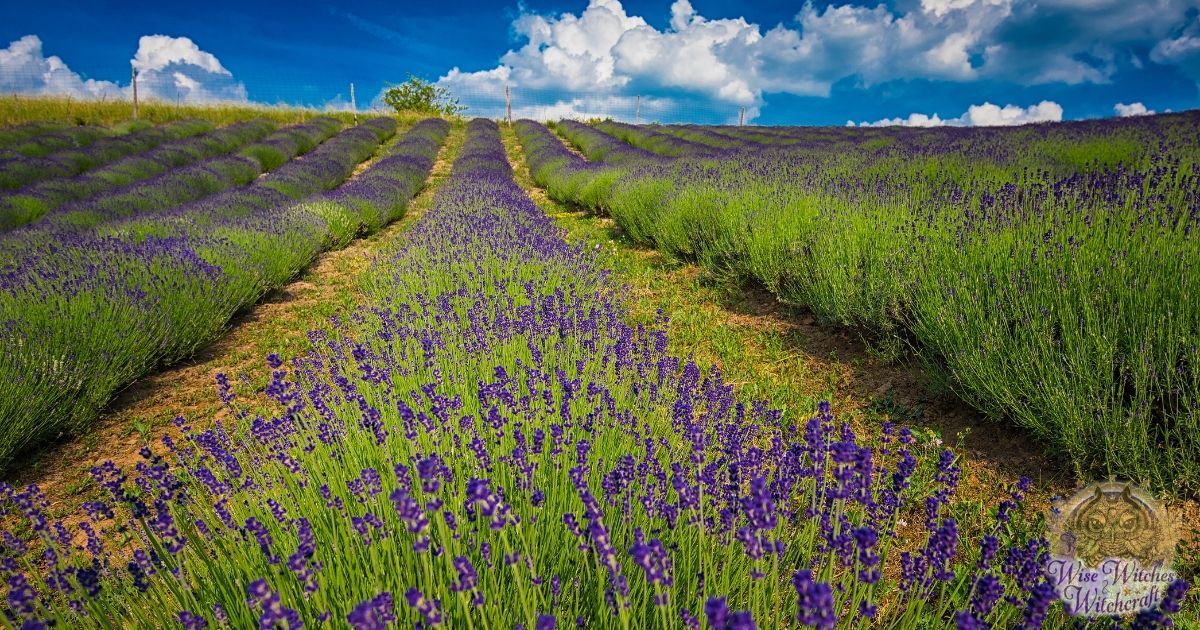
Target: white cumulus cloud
989	115
613	106
1132	109
25	69
158	52
175	68
913	120
169	68
729	63
985	115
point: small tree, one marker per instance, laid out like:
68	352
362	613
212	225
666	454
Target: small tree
419	95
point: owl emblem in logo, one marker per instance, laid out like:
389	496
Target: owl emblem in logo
1114	520
1111	547
1114	525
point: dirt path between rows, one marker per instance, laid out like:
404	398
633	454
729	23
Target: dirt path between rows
142	414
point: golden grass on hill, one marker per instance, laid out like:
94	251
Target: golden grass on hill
19	108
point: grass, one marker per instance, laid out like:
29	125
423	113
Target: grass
17	109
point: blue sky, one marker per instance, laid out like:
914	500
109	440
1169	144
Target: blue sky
902	62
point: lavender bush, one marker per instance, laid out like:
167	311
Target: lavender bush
599	146
707	136
656	141
380	195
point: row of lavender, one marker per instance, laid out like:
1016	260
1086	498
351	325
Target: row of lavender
40	138
660	142
83	312
14	136
379	195
19	171
712	137
1050	271
196	181
22	206
1037	151
489	443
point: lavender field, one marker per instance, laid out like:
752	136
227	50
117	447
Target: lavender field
489	438
1050	272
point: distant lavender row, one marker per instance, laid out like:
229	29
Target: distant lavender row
380	194
28	204
1061	148
317	171
43	140
177	186
17	134
655	141
708	136
600	146
83	312
566	175
22	171
325	166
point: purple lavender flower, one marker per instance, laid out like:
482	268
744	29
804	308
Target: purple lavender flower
717	613
192	621
816	601
964	620
866	539
429	609
1037	606
1173	597
260	595
741	620
374	613
21	595
689	621
653	559
256	528
300	562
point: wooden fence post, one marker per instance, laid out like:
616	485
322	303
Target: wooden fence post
133	81
507	105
